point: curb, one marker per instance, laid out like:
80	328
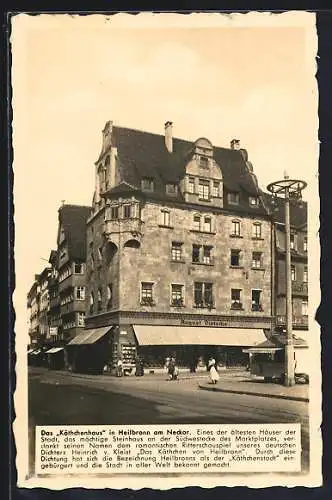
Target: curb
259	394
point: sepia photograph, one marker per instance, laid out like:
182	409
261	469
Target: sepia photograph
166	247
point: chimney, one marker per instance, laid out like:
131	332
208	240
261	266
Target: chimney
169	137
235	144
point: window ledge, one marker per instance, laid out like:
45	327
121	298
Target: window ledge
257	239
147	304
204	307
177	306
168	227
236	267
257	310
208	200
199	231
237	309
235	236
178	261
203	263
258	268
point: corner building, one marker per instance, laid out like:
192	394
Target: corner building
178	250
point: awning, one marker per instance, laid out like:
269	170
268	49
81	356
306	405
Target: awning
193	335
262	350
53	350
30	351
90	336
35	352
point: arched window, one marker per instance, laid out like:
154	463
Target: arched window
257	230
91	300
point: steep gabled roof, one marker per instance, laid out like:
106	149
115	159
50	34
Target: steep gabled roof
144	155
298	211
73	220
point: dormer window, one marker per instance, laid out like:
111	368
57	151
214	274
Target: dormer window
171	189
233	198
147	184
204	190
253	201
203	162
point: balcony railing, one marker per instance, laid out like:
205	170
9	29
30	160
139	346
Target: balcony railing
296	321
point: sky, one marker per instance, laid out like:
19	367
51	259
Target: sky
222	77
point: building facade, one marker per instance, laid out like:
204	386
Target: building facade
33	308
69	305
179	245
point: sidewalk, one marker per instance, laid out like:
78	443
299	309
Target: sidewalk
245	384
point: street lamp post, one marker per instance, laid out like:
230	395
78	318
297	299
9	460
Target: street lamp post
290	190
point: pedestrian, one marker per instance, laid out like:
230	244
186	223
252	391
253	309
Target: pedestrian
214	375
119	368
171	368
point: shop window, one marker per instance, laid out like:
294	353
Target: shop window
176	251
256	260
191	185
257	230
256	300
80	292
235	228
235	258
165	218
177	297
204	190
203	295
146	293
233	198
236	299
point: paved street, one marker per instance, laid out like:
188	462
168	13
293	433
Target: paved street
57	398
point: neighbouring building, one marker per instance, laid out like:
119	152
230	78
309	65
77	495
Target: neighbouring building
33	308
178	252
70	272
54	317
299	264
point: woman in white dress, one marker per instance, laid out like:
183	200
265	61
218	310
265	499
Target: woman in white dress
214	375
